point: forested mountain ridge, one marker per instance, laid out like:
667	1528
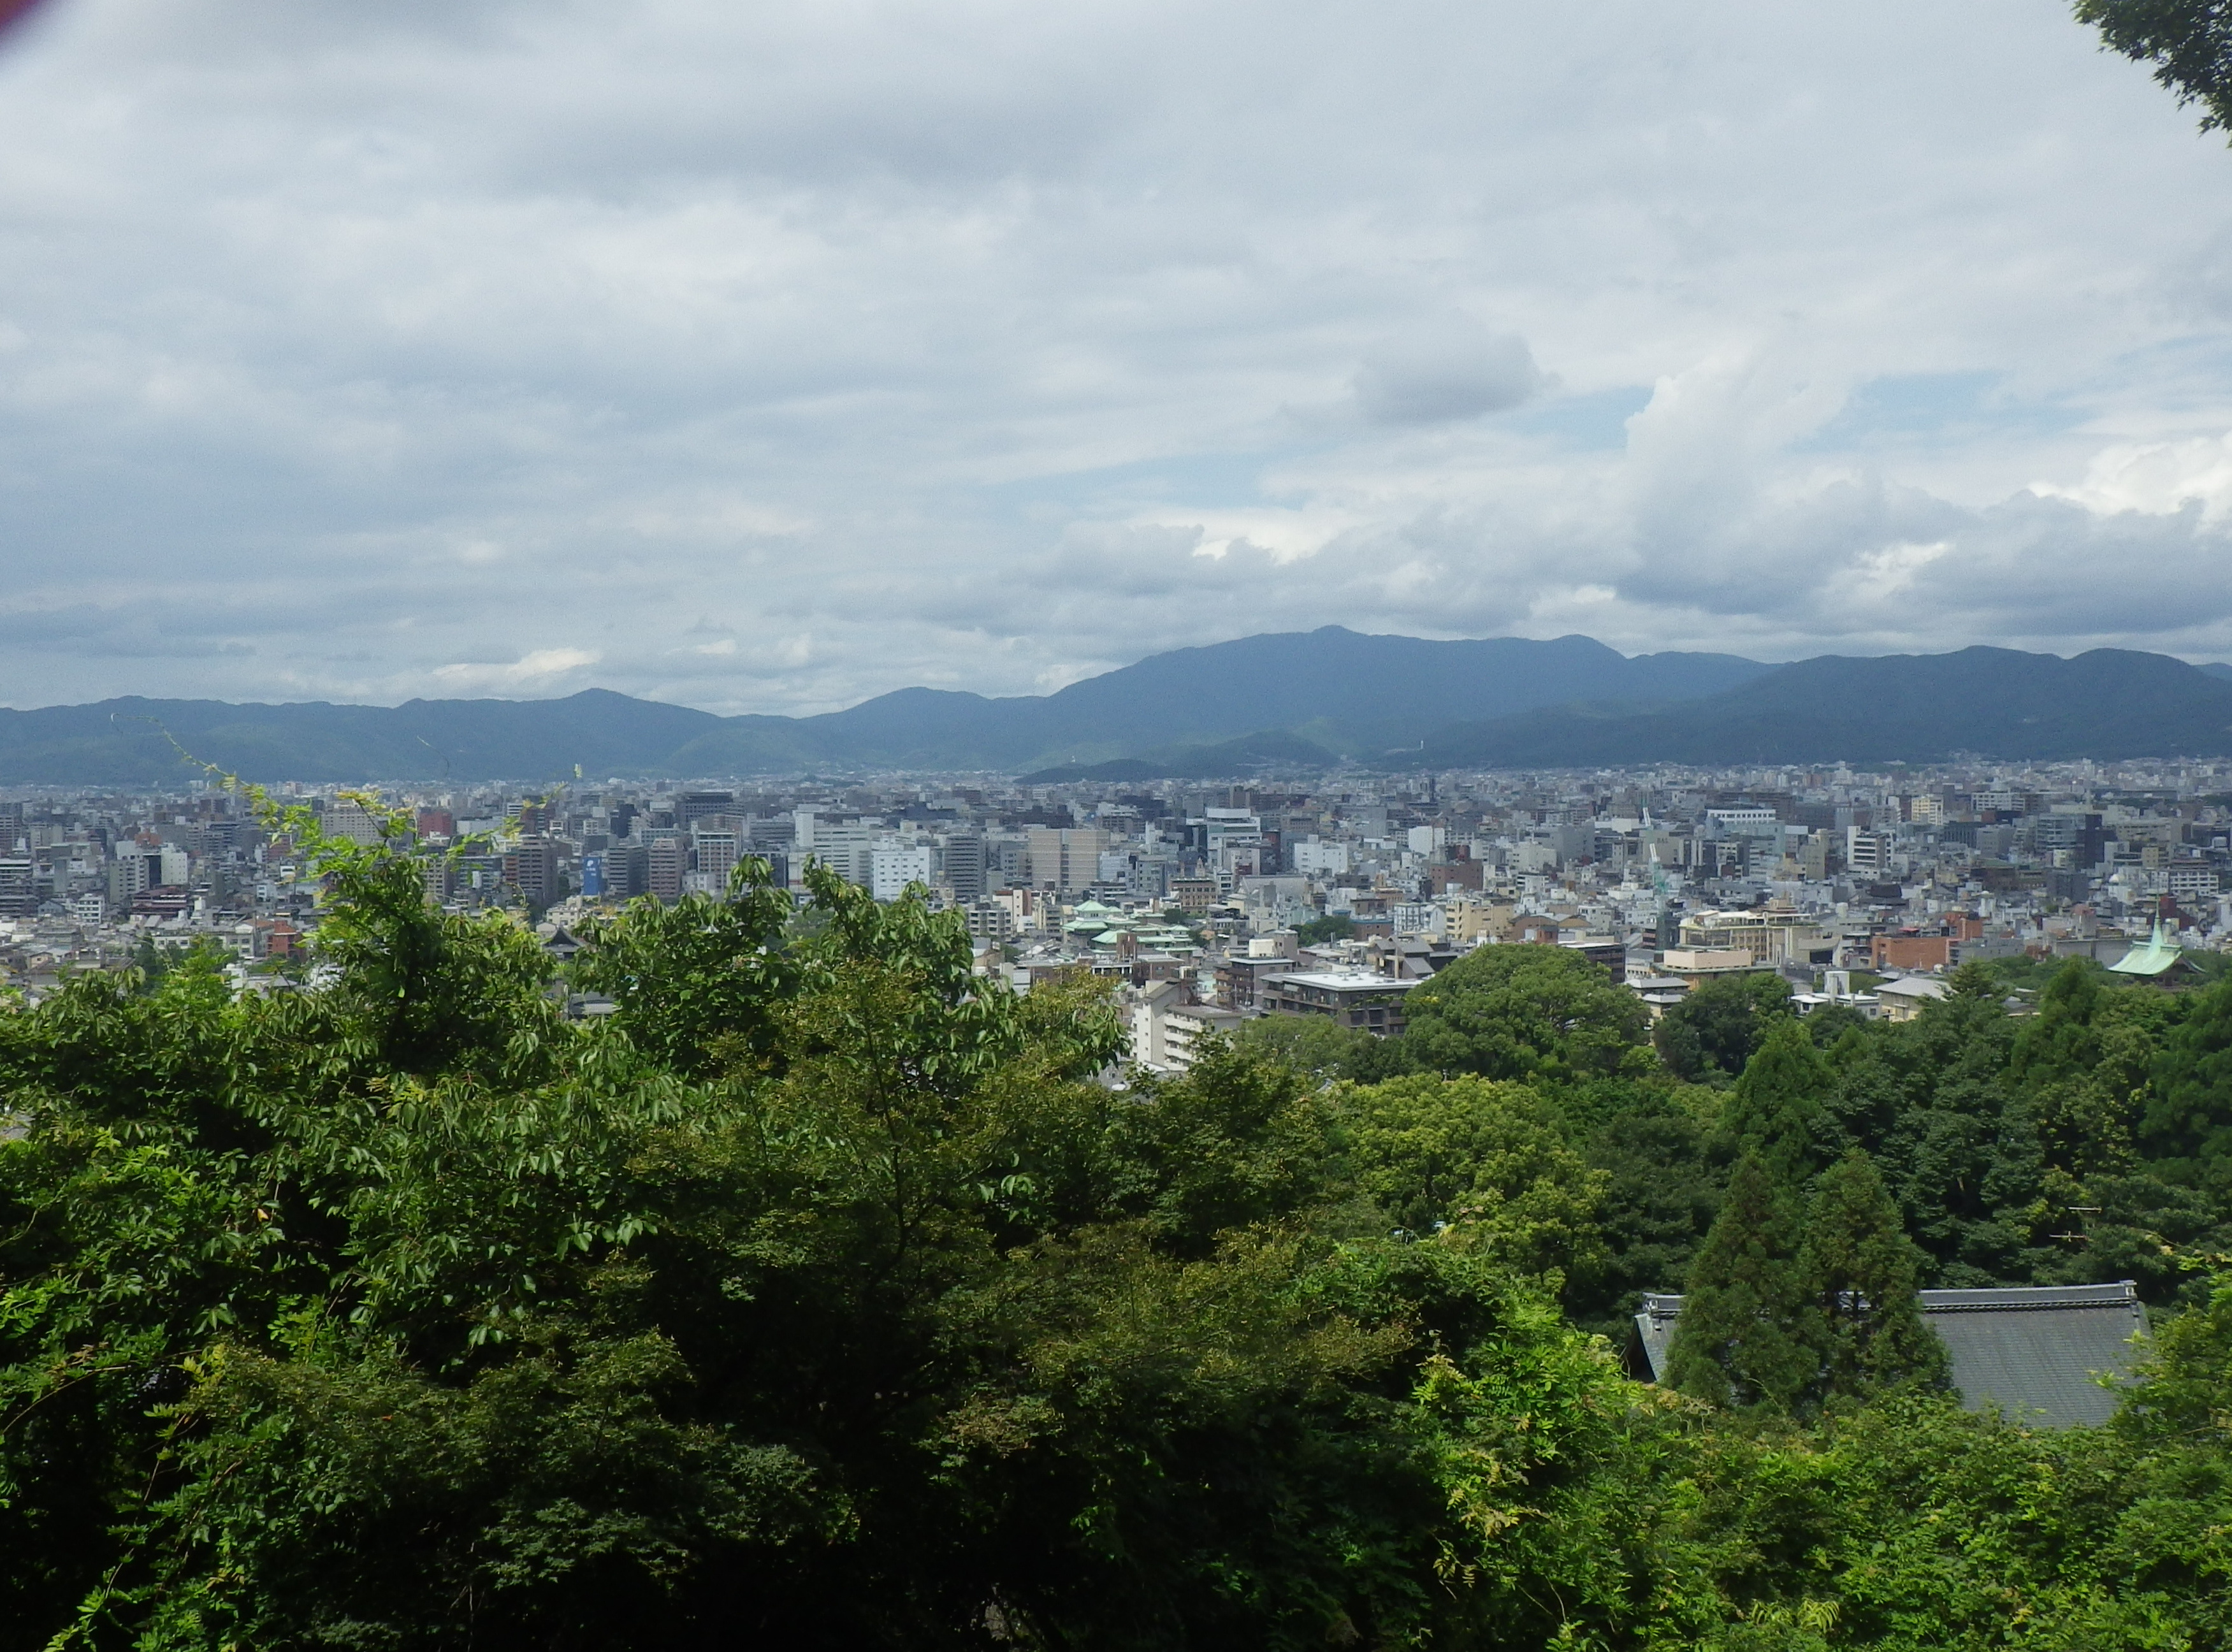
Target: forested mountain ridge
821	1295
1296	699
1332	684
1925	708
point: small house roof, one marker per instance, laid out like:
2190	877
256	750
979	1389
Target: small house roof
1913	987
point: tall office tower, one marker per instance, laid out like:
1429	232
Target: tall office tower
694	806
665	860
847	848
717	857
351	822
1067	858
627	870
772	832
19	887
531	867
1866	854
135	871
963	855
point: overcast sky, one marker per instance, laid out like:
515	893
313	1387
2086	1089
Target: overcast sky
766	356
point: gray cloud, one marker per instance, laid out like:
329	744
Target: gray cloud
1457	370
767	357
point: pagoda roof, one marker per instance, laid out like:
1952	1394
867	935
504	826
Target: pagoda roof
2153	956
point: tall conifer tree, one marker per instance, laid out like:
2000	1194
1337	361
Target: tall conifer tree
1775	1111
1860	1269
1750	1335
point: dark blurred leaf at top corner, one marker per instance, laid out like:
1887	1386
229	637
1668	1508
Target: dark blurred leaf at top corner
14	11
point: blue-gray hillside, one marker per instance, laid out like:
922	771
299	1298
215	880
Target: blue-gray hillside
1350	693
1925	708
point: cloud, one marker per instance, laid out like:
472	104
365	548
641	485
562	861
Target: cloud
533	669
770	357
1456	371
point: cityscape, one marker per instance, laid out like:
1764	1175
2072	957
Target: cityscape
1115	827
1208	905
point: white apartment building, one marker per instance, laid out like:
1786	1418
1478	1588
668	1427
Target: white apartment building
1417	918
717	858
1750	822
1316	859
892	868
1867	854
847	847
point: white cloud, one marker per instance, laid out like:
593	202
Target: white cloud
781	354
533	669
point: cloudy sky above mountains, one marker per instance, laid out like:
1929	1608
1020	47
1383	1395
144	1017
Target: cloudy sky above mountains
765	357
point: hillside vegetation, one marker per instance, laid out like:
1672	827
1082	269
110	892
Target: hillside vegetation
821	1297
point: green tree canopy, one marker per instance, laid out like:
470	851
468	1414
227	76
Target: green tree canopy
1861	1269
1333	926
1714	1030
1542	1013
2189	1113
1776	1109
1321	1048
1748	1337
1482	1163
818	1297
2188	42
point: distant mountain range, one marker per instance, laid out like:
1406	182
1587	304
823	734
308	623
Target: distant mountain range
1913	708
1284	701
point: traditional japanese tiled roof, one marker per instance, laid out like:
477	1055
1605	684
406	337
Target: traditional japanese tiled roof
2035	1352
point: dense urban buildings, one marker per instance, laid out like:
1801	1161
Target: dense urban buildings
1312	894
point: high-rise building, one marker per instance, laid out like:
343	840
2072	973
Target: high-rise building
847	848
716	858
351	822
990	923
531	867
136	871
593	876
19	887
1866	854
1067	858
665	859
963	855
892	868
695	806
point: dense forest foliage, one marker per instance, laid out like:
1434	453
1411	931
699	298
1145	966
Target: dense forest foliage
825	1295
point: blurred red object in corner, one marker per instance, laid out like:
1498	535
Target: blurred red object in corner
13	12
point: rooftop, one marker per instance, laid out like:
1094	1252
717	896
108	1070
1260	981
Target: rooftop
1343	979
2035	1352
